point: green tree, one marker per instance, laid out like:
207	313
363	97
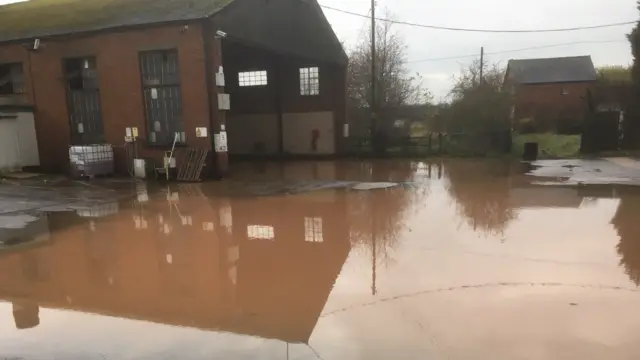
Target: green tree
616	74
479	110
632	123
634	39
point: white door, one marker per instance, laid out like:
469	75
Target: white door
18	144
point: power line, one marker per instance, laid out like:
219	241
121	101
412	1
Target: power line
515	50
483	30
364	26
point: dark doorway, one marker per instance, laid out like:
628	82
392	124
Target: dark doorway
601	132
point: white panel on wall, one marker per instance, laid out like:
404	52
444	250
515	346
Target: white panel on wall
247	134
299	130
18	145
9	149
27	140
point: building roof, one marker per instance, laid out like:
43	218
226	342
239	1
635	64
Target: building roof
551	70
40	18
293	27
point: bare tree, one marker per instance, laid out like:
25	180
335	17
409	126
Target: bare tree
395	85
469	81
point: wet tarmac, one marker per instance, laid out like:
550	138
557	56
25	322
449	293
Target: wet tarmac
609	171
328	260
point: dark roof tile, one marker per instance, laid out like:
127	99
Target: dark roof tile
40	18
551	70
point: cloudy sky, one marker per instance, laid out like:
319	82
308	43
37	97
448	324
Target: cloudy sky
496	14
606	46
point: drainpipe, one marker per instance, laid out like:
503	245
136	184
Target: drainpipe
278	100
217	118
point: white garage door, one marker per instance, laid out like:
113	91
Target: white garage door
18	145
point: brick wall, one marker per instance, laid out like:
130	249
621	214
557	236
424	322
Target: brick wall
547	100
117	56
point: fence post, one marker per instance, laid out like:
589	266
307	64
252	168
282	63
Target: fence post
440	143
430	138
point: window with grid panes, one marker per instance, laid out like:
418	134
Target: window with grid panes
260	232
11	79
252	78
163	97
313	230
309	81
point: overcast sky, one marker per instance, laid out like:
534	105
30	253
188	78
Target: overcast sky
497	14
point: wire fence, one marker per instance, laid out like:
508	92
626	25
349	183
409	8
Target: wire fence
457	144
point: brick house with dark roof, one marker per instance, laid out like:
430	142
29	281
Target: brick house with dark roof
91	69
550	90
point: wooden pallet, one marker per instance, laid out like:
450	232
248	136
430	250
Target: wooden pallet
192	164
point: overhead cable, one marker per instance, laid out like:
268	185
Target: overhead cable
519	31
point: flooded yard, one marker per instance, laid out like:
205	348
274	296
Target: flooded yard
459	259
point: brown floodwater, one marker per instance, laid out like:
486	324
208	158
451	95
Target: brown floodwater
372	260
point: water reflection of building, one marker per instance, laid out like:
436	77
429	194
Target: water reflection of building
291	251
528	196
627	225
262	267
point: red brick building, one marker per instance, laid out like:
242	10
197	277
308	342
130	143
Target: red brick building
91	70
550	91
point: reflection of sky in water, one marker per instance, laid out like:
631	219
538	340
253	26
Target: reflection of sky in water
72	335
16	221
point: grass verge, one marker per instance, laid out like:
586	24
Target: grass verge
549	145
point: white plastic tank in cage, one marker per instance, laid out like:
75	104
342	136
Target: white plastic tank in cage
91	160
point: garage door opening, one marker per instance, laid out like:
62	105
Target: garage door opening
281	105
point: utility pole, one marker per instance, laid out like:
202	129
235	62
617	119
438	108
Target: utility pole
374	120
481	65
375	139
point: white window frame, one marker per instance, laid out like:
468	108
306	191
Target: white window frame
313	230
261	232
310	81
253	78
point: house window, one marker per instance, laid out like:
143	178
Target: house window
260	232
81	73
313	230
162	97
11	79
309	81
564	91
83	100
252	78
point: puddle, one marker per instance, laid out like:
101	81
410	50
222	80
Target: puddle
16	221
453	260
374	186
616	171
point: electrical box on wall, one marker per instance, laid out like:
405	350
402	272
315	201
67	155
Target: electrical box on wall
220	77
224	102
131	133
220	142
201	132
